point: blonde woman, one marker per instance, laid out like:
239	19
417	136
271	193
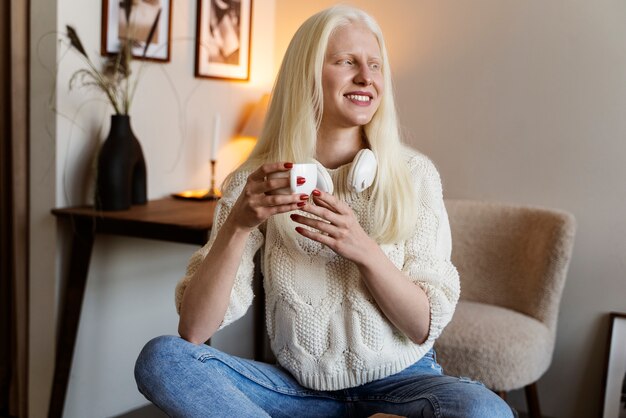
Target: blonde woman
358	283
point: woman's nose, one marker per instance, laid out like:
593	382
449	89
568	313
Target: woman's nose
363	77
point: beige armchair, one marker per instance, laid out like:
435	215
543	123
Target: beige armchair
512	261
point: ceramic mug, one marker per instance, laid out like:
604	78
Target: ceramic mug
308	171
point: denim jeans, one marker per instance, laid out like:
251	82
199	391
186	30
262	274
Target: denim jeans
188	380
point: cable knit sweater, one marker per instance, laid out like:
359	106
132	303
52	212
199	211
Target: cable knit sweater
324	325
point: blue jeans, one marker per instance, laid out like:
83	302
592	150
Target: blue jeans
187	380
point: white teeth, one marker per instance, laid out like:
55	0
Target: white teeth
358	97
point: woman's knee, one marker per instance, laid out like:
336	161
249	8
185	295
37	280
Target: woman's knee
479	401
156	354
159	347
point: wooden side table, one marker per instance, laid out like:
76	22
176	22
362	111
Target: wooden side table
173	220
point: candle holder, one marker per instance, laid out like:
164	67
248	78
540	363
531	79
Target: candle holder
213	193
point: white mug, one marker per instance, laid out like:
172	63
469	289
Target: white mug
308	171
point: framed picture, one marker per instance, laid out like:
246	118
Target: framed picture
615	372
223	39
148	19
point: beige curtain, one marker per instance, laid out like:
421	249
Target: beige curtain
14	70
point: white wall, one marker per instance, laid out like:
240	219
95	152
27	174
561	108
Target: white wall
519	102
523	102
129	295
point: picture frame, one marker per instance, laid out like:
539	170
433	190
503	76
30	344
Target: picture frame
223	38
614	398
143	15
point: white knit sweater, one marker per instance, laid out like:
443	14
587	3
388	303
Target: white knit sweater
324	325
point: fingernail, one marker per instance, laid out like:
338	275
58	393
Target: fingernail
288	165
299	229
304	197
300	180
300	204
292	216
316	192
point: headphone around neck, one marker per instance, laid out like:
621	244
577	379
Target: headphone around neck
361	175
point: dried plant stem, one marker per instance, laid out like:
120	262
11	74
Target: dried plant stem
102	83
114	81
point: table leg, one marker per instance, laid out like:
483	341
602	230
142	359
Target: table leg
82	243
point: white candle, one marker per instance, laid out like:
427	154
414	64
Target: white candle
216	136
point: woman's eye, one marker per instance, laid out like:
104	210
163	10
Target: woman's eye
375	66
346	62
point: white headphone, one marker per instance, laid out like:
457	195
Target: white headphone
360	177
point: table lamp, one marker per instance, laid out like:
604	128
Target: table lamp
251	129
254	122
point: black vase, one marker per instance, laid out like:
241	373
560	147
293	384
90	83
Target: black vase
121	174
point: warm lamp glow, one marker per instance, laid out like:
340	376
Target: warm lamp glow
193	194
235	152
232	154
254	122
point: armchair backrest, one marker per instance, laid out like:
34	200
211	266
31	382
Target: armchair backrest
512	256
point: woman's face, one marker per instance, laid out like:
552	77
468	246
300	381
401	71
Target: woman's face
352	77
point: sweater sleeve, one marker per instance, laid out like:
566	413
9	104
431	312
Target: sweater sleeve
428	251
242	294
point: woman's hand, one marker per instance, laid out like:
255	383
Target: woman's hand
338	228
404	303
258	200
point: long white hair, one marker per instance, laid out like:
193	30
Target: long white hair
295	114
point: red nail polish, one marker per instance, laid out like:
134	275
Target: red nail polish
300	180
316	192
292	216
288	165
299	229
301	204
304	197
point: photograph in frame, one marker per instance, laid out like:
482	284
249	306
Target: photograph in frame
143	15
223	39
615	371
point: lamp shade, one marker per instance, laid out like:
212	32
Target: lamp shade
254	122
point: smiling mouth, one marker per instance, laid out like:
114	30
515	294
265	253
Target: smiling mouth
359	97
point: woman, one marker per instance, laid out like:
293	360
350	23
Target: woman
358	284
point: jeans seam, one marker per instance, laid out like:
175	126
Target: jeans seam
205	357
435	404
227	379
394	400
